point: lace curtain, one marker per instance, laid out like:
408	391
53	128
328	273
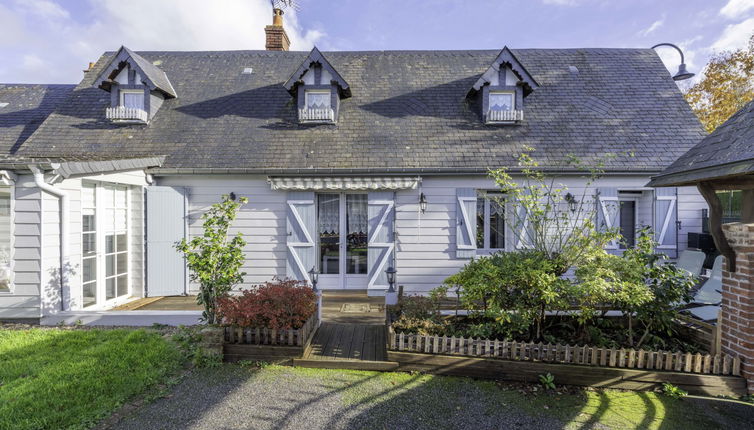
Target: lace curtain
356	213
329	214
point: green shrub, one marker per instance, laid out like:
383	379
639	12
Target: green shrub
422	326
671	390
419	307
514	289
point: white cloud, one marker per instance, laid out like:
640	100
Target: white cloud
735	36
735	8
652	28
44	33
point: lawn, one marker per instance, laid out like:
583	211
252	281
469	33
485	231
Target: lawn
277	397
53	378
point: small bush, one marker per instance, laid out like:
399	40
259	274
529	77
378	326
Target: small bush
422	326
547	380
281	305
419	307
671	390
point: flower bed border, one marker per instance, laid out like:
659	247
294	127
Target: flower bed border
720	364
264	344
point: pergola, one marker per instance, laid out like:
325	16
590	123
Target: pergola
724	160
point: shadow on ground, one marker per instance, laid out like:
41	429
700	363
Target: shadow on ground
236	397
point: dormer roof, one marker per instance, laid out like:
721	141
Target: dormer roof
506	59
315	57
150	74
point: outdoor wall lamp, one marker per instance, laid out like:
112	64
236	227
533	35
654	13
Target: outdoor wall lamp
314	277
232	196
391	297
422	203
571	200
682	72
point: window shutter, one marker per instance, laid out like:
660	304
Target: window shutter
166	225
466	222
665	217
301	223
381	243
608	208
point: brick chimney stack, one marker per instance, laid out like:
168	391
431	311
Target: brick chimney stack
277	39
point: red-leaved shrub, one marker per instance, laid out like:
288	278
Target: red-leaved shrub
280	304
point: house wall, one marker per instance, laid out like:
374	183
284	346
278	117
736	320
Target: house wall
36	251
425	243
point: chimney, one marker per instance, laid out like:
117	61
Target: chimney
277	39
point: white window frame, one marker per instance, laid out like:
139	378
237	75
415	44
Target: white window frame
11	229
94	257
123	92
484	248
494	92
101	278
624	198
316	91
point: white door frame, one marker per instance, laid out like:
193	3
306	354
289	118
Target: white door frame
342	280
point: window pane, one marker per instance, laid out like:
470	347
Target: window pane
356	230
90	294
122	263
110	288
317	100
87	196
133	100
121	197
628	223
497	225
88	223
328	224
122	285
109	243
89	269
501	101
122	242
110	265
480	222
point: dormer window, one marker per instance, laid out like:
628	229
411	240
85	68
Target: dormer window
501	90
317	106
137	88
318	89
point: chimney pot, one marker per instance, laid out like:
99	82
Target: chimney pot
276	37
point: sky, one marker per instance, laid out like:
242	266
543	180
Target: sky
52	41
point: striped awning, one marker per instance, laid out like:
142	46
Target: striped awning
343	183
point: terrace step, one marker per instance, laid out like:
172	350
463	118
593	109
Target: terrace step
382	366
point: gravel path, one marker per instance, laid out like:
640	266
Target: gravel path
233	397
236	397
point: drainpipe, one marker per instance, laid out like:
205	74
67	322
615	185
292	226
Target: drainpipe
39	181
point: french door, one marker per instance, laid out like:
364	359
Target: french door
105	245
342	227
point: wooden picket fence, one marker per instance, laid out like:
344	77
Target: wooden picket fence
266	336
720	364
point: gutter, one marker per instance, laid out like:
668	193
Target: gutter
166	171
62	196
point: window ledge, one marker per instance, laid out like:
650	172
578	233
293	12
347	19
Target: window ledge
504	116
326	115
127	115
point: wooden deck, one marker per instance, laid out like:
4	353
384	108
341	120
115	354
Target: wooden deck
352	307
168	303
337	341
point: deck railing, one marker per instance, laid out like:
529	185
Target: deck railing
267	336
505	115
720	364
316	115
121	113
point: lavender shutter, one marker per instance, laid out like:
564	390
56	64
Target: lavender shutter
466	223
381	238
608	209
665	217
301	226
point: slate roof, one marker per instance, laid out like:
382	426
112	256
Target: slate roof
727	151
27	106
408	112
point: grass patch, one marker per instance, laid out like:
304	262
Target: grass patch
74	378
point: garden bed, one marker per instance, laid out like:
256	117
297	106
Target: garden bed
264	344
576	365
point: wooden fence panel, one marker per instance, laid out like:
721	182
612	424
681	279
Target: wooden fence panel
720	364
